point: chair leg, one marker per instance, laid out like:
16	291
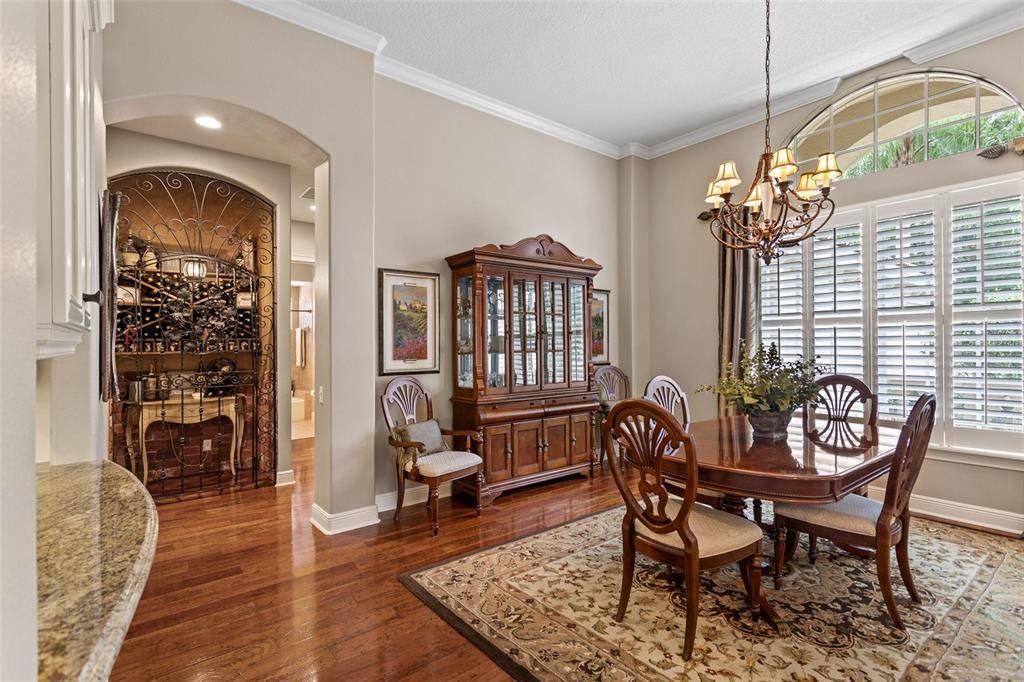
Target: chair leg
757	511
792	542
479	490
755	585
903	559
885	581
780	550
692	604
401	493
628	564
812	553
434	525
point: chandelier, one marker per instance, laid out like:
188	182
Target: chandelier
774	214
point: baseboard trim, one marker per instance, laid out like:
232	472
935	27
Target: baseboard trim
986	518
285	478
414	494
332	524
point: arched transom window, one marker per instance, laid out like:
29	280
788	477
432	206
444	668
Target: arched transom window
908	119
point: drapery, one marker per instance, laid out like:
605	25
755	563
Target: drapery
737	308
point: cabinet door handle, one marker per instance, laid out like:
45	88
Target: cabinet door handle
508	452
572	439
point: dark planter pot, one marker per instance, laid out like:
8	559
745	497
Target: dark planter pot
770	425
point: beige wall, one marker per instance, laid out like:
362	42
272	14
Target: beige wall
449	178
684	264
227	58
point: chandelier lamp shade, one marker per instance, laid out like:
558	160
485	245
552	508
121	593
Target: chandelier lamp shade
780	209
193	269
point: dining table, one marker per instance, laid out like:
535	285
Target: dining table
818	462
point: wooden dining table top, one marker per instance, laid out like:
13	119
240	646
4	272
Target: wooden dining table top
802	468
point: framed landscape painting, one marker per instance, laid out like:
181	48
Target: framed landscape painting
407	321
599	321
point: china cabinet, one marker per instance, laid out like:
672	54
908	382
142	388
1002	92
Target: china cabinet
522	365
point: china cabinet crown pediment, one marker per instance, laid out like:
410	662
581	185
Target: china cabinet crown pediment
523	374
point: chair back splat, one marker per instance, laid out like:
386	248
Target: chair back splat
909	457
666	392
839	396
612	383
645	433
404	394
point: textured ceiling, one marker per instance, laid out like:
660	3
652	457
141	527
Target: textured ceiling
649	71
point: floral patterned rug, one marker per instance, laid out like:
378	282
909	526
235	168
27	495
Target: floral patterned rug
541	608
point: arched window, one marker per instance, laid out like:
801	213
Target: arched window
908	119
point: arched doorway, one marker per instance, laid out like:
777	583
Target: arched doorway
195	336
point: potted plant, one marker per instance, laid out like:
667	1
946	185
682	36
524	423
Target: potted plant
768	389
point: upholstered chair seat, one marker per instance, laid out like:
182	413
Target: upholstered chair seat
853	514
717	532
444	462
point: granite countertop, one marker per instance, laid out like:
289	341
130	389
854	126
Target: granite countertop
96	535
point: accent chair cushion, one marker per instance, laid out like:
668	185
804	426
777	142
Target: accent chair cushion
426	432
446	462
717	532
853	514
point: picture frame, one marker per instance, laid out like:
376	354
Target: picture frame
408	322
600	317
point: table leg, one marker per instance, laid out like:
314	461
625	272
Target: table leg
734	505
231	452
145	455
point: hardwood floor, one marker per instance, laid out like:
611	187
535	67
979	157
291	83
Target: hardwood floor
243	587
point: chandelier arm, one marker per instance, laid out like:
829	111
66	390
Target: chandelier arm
736	247
832	209
732	233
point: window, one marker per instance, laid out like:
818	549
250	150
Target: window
919	295
908	119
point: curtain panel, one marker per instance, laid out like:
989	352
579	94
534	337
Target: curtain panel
738	294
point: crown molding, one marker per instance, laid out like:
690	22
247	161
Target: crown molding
641	151
990	28
793	100
403	73
321	22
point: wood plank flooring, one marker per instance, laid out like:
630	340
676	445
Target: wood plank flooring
243	587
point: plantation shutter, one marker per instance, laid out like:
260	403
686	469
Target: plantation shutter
782	303
987	354
905	302
837	282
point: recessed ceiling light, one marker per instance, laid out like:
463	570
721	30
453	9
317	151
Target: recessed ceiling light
312	207
208	122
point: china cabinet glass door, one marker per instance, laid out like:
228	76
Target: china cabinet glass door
554	332
494	291
577	333
525	328
464	331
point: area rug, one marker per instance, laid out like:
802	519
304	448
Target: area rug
541	608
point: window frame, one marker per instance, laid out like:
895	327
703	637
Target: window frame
823	120
946	437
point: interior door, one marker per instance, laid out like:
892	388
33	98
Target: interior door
579	439
526	447
525	332
498	452
554	332
556	442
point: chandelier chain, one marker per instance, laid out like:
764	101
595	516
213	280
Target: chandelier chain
767	75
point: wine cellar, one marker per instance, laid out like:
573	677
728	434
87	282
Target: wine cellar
194	335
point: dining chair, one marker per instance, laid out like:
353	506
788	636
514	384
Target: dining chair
667	392
838	396
421	454
612	386
863	522
687	536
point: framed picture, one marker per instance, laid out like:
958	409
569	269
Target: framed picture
599	321
408	336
